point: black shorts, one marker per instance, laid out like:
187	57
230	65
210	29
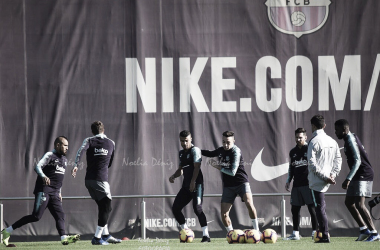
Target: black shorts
301	196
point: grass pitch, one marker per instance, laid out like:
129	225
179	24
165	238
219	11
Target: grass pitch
337	243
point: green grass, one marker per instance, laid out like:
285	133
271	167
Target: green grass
337	243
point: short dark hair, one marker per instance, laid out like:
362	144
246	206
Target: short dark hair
184	133
300	130
97	127
342	123
318	121
228	133
59	140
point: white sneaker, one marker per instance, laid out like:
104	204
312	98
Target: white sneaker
293	237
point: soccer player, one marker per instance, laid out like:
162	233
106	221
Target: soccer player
100	152
358	182
190	159
235	179
324	164
51	171
301	193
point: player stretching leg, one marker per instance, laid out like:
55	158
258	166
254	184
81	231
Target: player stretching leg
301	193
358	182
51	171
235	179
100	152
192	186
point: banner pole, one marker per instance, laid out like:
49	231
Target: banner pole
283	218
143	230
1	221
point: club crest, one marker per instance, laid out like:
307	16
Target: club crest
298	17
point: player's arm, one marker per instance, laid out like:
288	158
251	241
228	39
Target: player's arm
290	176
197	159
352	149
81	150
234	163
209	153
176	174
40	165
109	165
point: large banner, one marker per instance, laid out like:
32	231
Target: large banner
151	68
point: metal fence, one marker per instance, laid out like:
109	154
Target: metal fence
143	197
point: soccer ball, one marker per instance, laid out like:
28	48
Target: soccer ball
269	236
186	235
235	236
318	236
252	236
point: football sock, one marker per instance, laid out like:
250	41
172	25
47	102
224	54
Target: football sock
63	237
374	231
105	230
363	228
9	229
296	233
229	228
255	224
99	231
205	231
184	226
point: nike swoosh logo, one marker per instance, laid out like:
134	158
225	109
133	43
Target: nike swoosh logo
261	172
210	221
336	221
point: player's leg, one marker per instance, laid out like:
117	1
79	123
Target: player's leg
366	217
307	199
244	191
40	204
296	223
313	216
197	206
225	214
183	198
320	209
56	210
228	198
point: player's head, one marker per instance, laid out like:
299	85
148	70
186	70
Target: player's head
300	135
228	140
185	139
61	145
317	122
97	127
342	128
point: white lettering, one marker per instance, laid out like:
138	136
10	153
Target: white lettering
189	84
167	85
261	84
219	84
350	74
373	84
306	67
135	79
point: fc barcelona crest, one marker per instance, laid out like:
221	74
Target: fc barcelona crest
298	17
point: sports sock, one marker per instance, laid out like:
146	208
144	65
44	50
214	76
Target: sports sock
99	231
229	228
296	233
63	237
255	224
9	229
205	231
374	231
105	230
363	228
184	226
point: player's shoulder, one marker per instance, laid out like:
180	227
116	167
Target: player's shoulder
236	149
195	149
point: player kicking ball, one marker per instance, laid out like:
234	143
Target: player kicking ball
235	179
190	159
51	171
